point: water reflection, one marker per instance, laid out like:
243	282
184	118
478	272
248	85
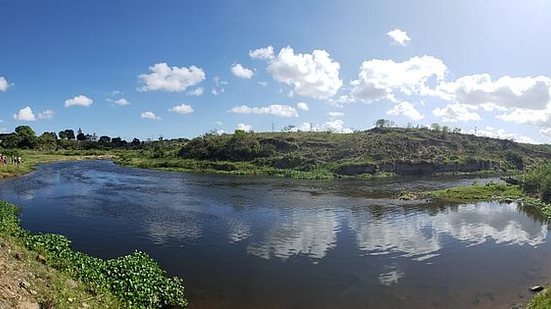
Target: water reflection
298	233
241	241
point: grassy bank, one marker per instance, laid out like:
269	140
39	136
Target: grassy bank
31	158
48	272
486	192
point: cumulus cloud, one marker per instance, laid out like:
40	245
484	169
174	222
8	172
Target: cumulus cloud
313	75
46	114
546	131
4	85
456	113
380	79
197	92
506	91
244	127
172	79
405	109
263	84
302	106
399	37
527	116
265	53
25	114
336	126
274	109
335	114
79	100
242	72
182	109
502	134
150	115
121	102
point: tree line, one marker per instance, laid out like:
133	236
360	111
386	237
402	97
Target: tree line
25	137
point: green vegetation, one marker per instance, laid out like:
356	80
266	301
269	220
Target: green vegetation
135	281
384	150
486	192
380	151
33	157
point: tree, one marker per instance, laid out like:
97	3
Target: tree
67	134
383	123
104	139
135	142
48	141
11	141
242	146
435	126
27	135
81	136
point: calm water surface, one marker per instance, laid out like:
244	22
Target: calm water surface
250	242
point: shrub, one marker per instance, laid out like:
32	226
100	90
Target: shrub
538	181
136	278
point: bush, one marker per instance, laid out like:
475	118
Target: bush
538	181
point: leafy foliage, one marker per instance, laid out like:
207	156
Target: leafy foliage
136	279
538	182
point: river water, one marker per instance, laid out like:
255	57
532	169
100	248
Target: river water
254	242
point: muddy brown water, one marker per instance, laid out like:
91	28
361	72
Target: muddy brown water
255	242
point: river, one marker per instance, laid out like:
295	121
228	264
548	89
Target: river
256	242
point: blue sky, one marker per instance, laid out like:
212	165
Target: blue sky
182	68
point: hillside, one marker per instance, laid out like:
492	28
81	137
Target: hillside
377	151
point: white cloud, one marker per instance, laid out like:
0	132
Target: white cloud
121	102
399	36
527	116
456	113
274	109
241	71
506	91
313	75
244	127
4	85
218	81
197	92
335	114
302	106
25	114
406	109
150	115
502	134
379	79
182	109
336	126
79	100
265	53
46	114
546	131
172	79
263	84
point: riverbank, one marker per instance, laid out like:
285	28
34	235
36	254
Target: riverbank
31	158
42	271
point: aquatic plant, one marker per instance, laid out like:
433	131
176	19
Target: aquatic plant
136	279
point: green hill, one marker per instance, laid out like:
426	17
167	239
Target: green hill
377	151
